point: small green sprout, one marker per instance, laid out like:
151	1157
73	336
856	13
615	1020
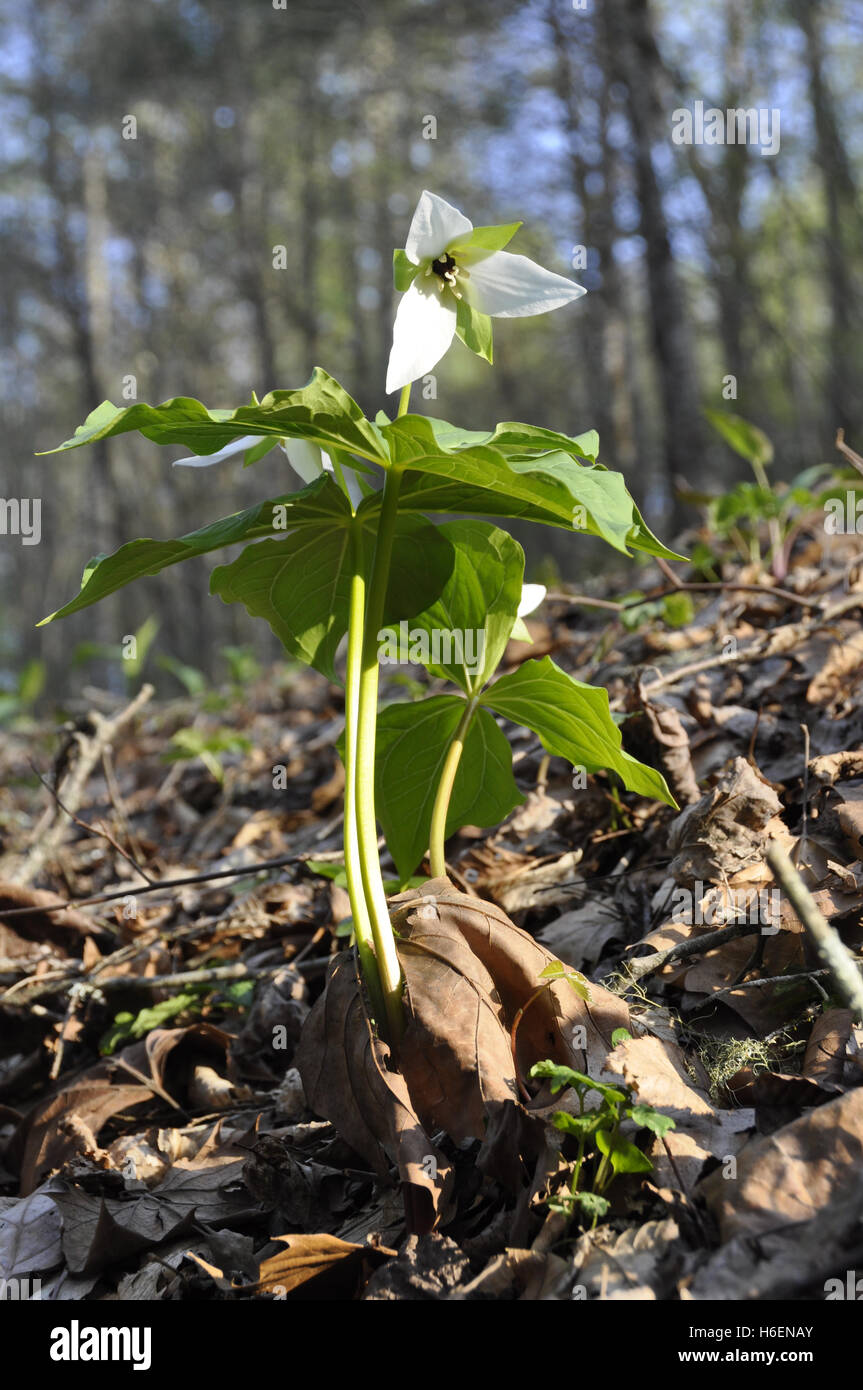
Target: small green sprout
602	1151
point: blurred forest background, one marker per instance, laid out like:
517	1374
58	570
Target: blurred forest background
305	124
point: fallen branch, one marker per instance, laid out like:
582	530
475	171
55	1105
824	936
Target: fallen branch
829	945
682	950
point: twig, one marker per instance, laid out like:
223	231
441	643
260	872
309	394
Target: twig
780	639
74	785
716	586
265	864
682	950
852	456
92	829
829	945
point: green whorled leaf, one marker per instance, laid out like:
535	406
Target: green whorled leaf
412	435
511	438
475	330
301	585
319	503
552	487
479	602
321	411
573	721
412	743
745	439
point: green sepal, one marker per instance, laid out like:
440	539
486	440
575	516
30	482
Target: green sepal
485	240
404	270
474	329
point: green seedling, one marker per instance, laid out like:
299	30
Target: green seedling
188	744
602	1150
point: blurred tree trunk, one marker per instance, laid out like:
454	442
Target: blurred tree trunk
840	196
594	323
634	53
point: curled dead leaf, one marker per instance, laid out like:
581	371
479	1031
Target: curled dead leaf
471	976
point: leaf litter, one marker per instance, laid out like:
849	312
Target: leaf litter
194	1104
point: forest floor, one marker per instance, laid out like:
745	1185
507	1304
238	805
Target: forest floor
155	1142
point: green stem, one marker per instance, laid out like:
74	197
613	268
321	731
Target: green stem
353	864
392	983
437	834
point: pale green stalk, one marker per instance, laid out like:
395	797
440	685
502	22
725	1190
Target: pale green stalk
392	982
437	834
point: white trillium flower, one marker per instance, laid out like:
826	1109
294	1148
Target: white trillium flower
307	460
532	596
236	446
455	276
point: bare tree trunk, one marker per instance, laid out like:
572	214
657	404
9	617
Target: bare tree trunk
840	196
631	42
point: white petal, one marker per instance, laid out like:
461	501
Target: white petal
236	446
511	287
532	596
434	225
352	483
306	459
422	332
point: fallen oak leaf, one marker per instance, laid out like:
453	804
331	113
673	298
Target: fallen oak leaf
337	1268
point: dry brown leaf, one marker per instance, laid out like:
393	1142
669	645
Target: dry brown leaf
795	1174
526	1276
347	1077
841	660
658	731
41	1139
638	1264
558	1023
336	1268
724	831
580	935
469	973
655	1070
824	1059
66	931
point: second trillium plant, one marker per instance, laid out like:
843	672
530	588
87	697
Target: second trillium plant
344	556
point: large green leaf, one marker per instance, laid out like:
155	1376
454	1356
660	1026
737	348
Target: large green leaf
510	437
573	721
301	585
412	744
318	504
322	411
553	488
479	603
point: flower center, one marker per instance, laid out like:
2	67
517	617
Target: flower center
445	268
